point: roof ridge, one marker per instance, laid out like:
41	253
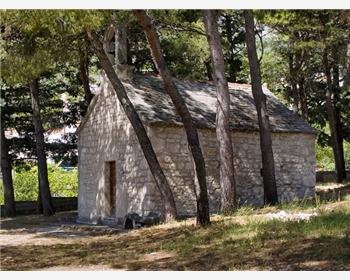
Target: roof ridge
155	107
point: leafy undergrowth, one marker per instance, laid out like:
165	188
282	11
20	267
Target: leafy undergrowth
25	183
243	241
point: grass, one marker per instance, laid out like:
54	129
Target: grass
243	241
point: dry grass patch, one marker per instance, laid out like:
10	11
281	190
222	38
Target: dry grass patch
243	241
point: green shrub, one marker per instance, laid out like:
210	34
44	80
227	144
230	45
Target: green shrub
325	158
25	181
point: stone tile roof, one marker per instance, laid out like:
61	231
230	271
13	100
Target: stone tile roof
155	107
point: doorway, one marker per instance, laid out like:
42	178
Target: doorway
112	184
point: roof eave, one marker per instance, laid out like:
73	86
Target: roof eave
87	114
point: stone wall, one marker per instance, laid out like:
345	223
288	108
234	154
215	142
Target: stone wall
294	163
107	135
95	147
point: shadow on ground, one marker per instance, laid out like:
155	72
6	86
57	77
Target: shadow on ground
321	244
31	222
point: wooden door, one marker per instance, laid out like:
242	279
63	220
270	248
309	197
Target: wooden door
112	186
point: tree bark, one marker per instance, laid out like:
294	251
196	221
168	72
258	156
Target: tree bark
6	171
44	186
84	77
231	56
121	45
297	79
108	45
145	143
223	132
347	74
294	89
208	70
332	119
300	60
302	96
337	107
268	165
181	108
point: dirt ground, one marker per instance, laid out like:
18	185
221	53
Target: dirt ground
37	230
236	242
34	230
59	231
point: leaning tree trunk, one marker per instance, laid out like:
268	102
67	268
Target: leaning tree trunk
6	168
181	108
223	132
44	186
84	76
268	165
145	143
332	119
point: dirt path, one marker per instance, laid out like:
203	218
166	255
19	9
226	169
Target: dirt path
38	230
61	230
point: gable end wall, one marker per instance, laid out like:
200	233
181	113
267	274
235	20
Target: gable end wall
107	135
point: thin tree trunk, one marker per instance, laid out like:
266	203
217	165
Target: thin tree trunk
6	169
107	45
208	70
302	97
294	90
268	170
44	187
181	108
84	76
145	143
346	84
347	74
332	119
231	56
121	45
300	60
295	97
223	132
337	107
39	205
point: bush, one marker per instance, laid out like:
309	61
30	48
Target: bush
25	181
325	158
